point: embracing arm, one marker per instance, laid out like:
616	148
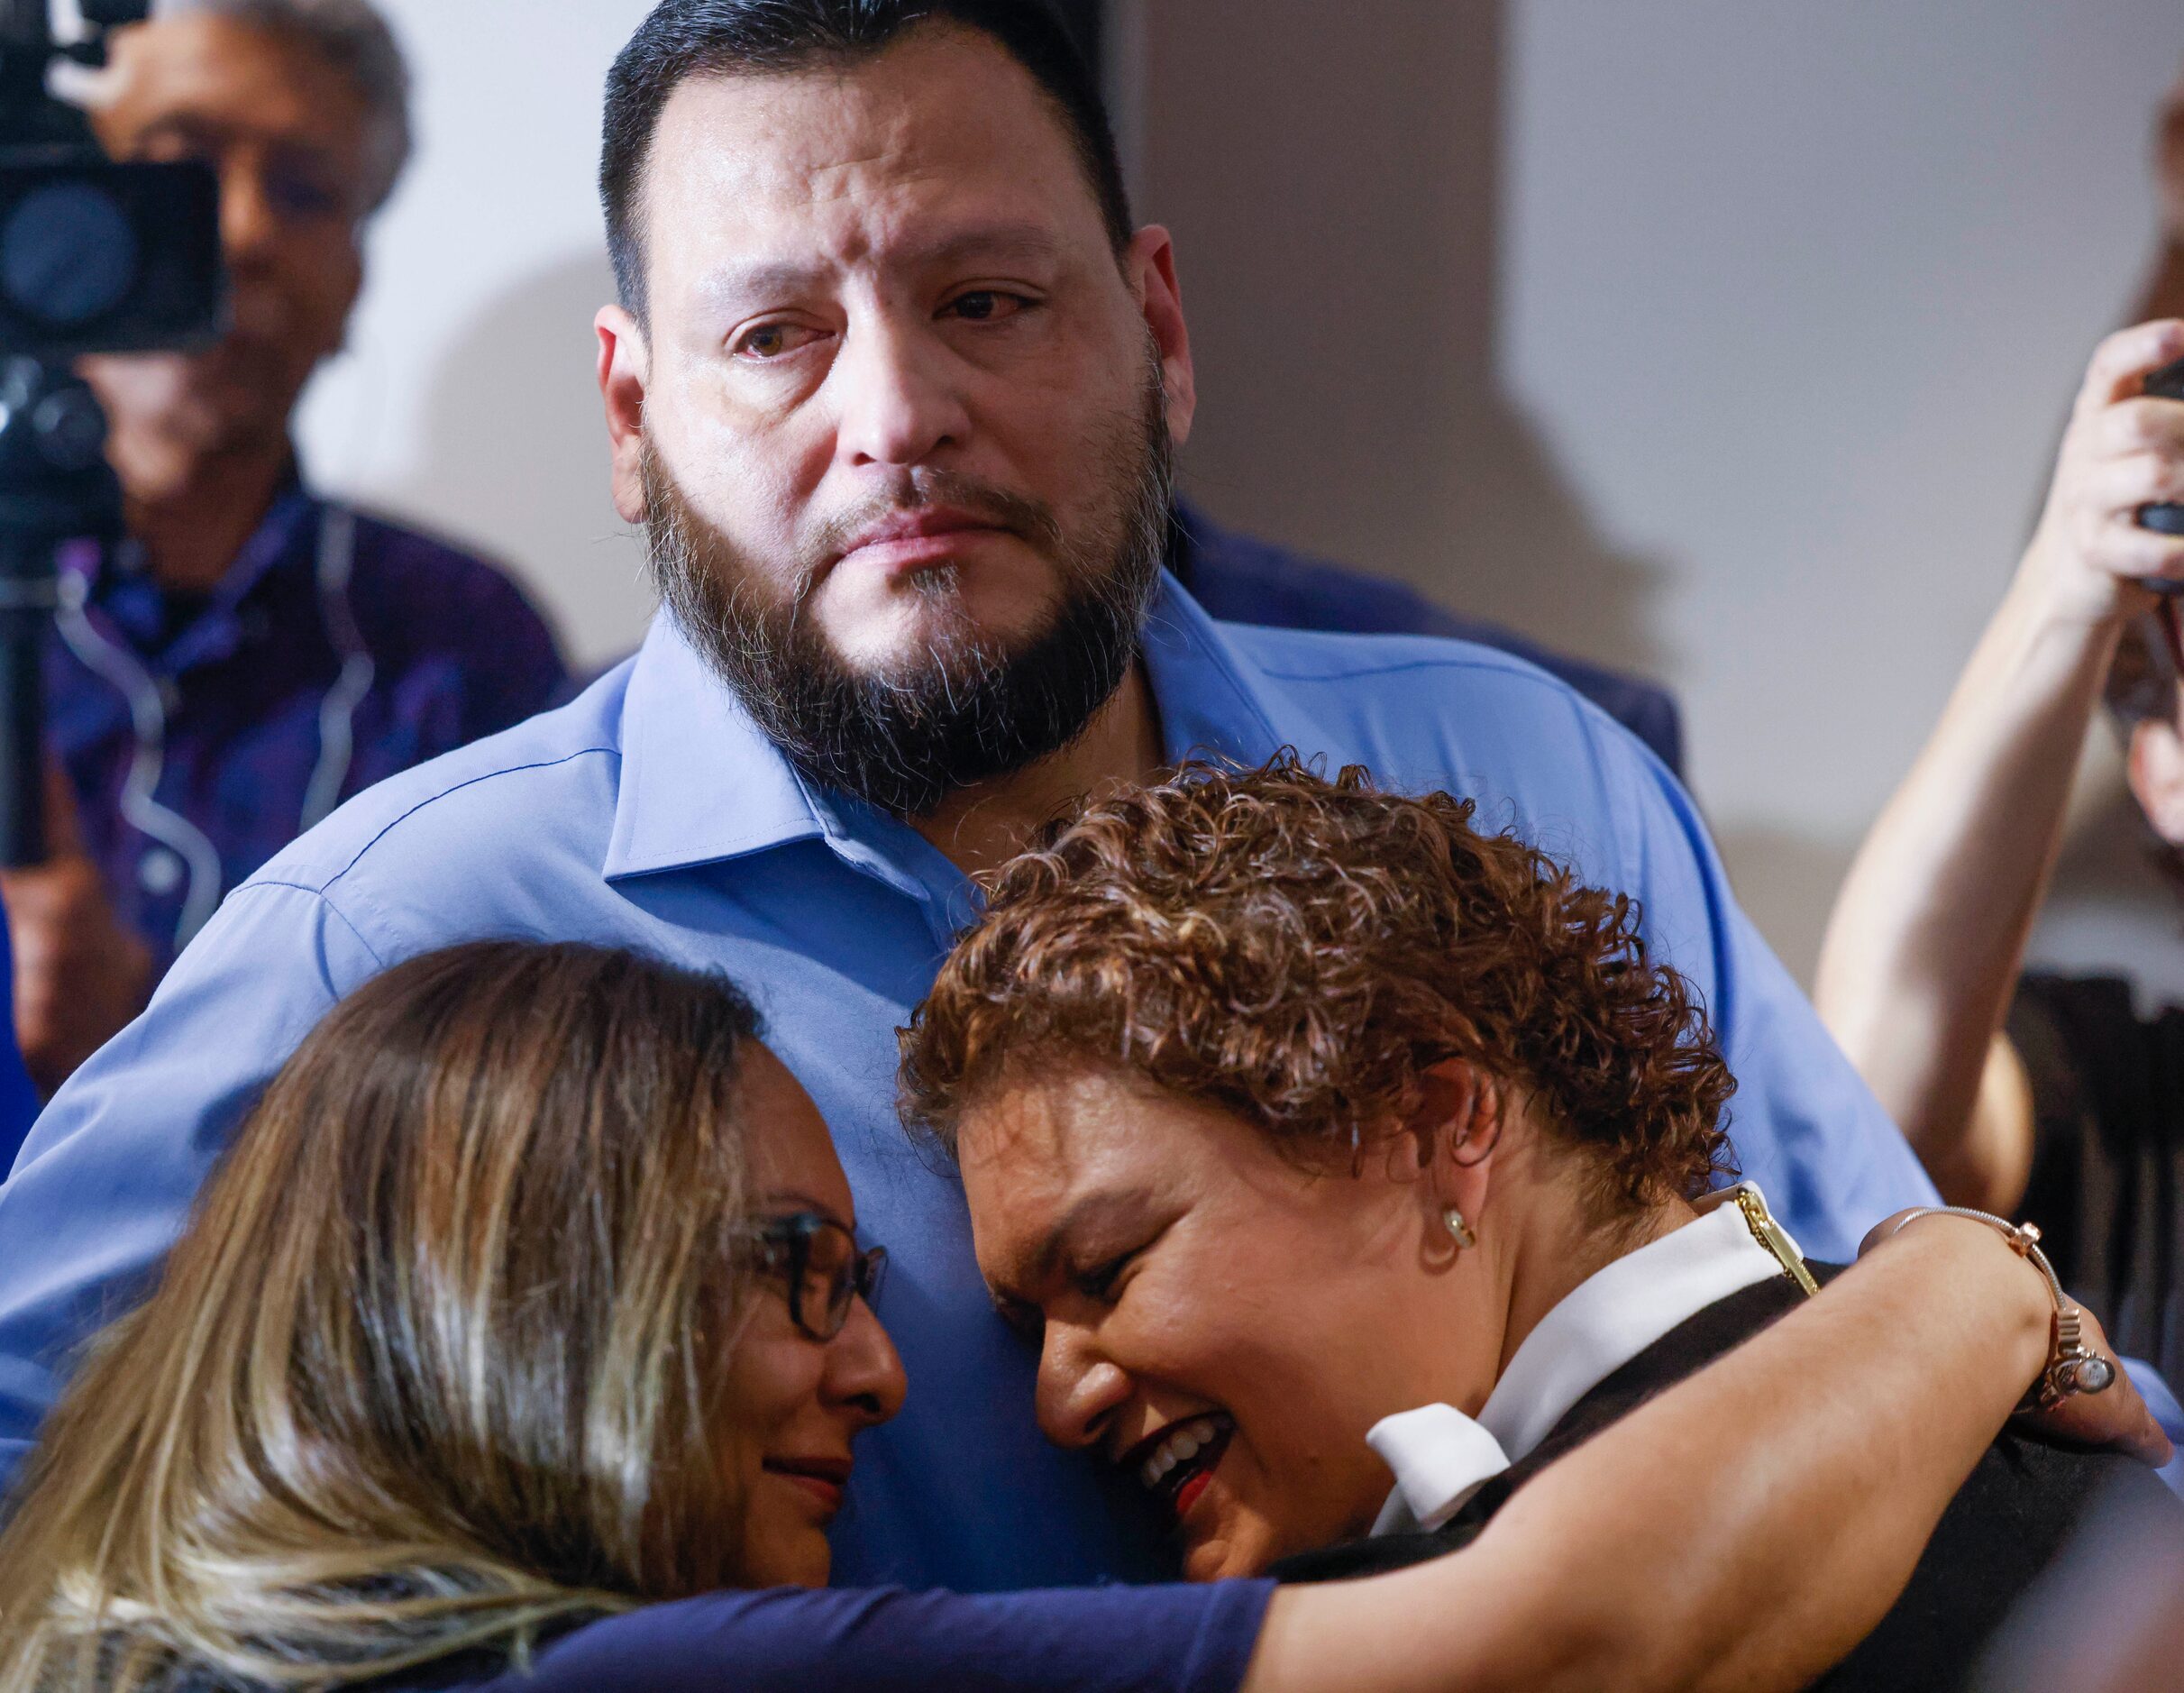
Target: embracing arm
1745	1529
1924	945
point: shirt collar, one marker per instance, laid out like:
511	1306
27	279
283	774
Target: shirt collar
699	780
1440	1457
700	783
1207	702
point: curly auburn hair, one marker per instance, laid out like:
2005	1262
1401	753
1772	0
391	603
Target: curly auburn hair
1299	952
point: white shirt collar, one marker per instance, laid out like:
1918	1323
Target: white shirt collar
1440	1457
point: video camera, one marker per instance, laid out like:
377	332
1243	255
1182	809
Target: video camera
94	257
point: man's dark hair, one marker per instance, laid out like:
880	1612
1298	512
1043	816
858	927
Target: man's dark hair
718	38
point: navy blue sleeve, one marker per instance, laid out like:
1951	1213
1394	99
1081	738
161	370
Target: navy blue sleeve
1240	579
1171	1639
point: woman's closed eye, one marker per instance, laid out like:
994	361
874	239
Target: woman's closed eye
1104	1281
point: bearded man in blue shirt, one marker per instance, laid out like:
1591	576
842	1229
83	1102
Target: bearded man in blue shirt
892	384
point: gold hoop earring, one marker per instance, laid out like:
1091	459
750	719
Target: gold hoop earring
1459	1231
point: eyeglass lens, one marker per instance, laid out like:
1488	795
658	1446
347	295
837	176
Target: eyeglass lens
823	1270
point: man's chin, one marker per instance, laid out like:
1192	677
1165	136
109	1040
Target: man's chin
907	635
201	404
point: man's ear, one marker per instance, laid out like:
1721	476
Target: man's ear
623	368
1149	267
1458	1127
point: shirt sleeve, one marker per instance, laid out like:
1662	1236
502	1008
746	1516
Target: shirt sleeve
1168	1639
110	1171
1803	1123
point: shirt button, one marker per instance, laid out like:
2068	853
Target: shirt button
159	872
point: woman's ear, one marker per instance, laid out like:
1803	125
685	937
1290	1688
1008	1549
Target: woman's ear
1458	1128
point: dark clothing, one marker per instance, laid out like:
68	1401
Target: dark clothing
887	1640
2109	1103
1240	580
2006	1524
346	653
18	1098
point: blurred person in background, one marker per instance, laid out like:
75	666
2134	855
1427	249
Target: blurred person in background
2051	1093
254	652
18	1095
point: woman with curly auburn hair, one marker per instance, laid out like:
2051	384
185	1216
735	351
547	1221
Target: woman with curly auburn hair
1354	1164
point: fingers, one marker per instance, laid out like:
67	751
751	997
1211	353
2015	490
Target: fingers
2121	362
2112	493
2153	1445
2118	1416
2136	426
80	973
2124	451
2124	484
2097	510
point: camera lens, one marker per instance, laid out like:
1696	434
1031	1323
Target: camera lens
67	254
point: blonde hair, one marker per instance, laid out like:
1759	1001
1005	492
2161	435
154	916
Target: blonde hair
433	1366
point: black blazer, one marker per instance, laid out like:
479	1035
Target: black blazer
2004	1527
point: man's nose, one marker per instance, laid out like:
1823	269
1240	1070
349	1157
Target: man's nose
863	1370
1079	1389
898	402
247	221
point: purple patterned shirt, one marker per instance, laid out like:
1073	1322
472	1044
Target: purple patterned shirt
201	733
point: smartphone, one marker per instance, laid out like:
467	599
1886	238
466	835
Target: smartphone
2166	383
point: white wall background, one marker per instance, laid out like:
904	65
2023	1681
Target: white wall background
1723	340
466	396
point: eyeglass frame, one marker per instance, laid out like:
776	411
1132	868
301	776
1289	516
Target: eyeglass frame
790	1237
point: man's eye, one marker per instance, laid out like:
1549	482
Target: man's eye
986	306
299	196
773	341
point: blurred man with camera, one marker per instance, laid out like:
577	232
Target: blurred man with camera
254	652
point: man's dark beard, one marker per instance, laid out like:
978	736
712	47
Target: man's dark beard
904	739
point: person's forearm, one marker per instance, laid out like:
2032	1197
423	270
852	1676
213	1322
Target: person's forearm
1924	948
1745	1529
1927	937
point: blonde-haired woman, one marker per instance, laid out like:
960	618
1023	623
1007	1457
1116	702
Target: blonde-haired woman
523	1339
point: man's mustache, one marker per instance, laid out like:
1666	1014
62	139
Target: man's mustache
1020	515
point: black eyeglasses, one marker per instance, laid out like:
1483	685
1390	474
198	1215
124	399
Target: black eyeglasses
818	1262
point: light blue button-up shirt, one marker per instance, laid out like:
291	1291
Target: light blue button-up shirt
651	813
